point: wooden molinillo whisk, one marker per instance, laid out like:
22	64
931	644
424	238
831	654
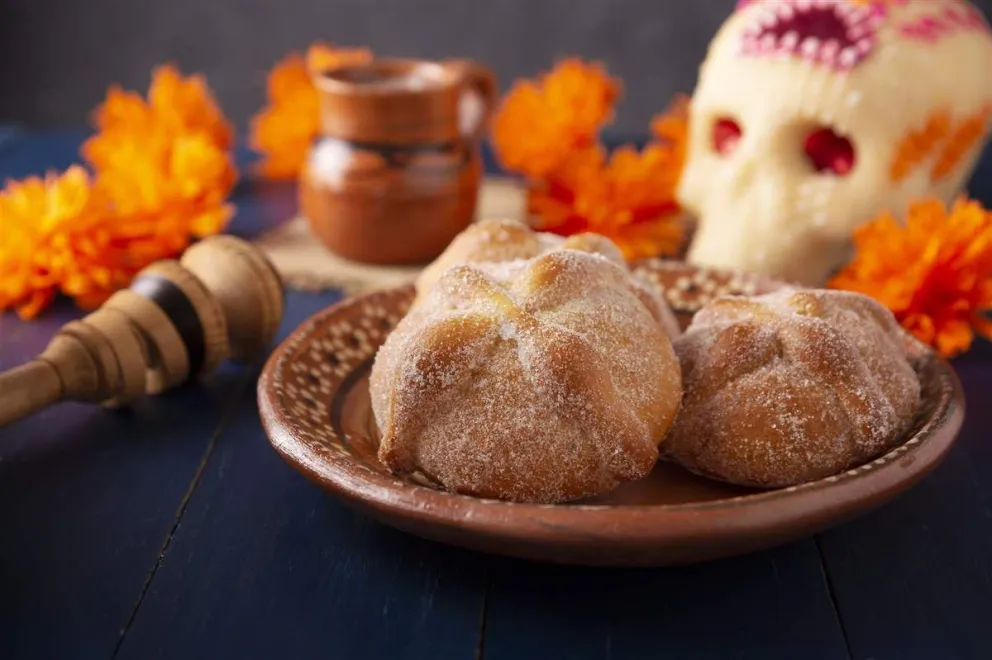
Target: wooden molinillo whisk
177	321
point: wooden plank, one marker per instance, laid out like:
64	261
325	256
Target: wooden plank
88	497
914	579
768	605
86	502
267	565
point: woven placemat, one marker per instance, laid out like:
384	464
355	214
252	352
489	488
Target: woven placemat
305	263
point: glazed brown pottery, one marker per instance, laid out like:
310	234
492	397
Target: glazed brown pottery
395	174
315	407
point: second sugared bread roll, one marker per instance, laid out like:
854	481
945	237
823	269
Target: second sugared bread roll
540	380
791	387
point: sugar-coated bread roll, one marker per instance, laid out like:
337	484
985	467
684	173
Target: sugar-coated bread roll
500	240
536	380
792	386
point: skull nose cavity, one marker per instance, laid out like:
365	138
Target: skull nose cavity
838	34
830	152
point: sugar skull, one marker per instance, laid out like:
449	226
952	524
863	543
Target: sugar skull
813	116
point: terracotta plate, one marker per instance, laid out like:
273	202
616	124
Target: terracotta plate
315	406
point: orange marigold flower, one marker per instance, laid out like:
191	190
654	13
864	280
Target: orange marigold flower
547	130
162	176
163	164
934	273
628	197
539	123
175	106
186	105
58	236
284	130
34	215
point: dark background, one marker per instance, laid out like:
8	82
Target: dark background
58	56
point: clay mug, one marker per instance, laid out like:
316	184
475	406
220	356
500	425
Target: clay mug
395	173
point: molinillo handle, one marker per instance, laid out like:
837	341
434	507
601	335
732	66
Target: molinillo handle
178	320
28	389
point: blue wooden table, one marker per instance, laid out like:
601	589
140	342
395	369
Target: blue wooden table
173	531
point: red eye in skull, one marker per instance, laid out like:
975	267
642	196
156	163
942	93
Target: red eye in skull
830	152
726	134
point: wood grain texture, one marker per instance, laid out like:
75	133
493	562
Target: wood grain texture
266	565
774	604
89	497
914	579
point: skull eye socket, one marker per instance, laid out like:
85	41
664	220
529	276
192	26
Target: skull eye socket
726	134
830	152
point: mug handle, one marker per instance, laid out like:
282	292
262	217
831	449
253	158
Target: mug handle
480	79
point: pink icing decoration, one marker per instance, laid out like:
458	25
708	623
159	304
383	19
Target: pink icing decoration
834	34
934	27
878	8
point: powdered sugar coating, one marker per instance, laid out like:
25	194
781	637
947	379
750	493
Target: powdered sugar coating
539	380
792	386
500	240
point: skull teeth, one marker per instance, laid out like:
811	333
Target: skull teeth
778	29
857	31
789	41
859	14
843	9
810	47
830	50
848	57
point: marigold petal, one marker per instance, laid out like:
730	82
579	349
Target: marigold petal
954	337
539	123
36	302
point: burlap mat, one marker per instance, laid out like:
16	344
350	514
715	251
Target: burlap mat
306	264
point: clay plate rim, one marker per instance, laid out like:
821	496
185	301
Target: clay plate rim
644	527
